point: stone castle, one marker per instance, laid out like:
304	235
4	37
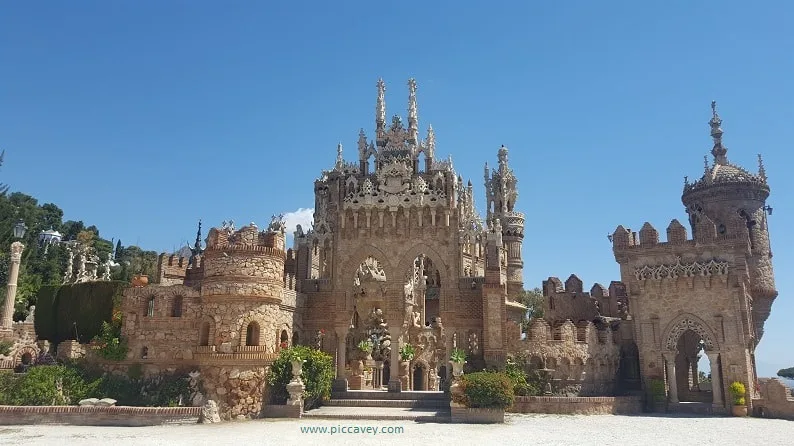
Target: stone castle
399	255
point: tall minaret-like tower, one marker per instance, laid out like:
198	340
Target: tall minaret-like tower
501	188
735	201
413	113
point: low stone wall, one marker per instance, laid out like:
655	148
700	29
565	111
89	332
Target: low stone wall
577	405
775	402
476	415
281	411
98	416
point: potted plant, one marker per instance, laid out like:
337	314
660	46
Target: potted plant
365	347
738	391
295	360
407	352
457	358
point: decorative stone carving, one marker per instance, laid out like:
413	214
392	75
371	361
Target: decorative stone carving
209	413
277	224
369	271
694	269
683	325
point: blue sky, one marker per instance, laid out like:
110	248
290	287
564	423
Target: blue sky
142	117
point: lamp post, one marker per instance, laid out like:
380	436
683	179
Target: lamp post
11	293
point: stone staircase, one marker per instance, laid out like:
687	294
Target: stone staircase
381	405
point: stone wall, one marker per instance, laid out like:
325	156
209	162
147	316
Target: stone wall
577	405
98	416
582	358
776	400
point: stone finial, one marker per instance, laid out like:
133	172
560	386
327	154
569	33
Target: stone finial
340	160
413	115
719	151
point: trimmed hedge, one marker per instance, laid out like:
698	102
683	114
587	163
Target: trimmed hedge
492	390
76	311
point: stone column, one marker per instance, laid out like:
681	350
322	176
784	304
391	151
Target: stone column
11	292
716	379
669	359
695	378
394	361
340	383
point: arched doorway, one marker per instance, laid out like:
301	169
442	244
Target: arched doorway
420	383
283	340
687	340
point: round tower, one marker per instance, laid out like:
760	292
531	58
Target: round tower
735	200
246	263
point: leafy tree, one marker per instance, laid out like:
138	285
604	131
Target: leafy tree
786	373
533	300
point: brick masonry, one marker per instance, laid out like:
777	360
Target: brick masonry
98	416
577	405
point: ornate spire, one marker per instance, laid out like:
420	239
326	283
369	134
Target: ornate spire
380	107
340	161
719	151
413	116
362	143
196	249
761	169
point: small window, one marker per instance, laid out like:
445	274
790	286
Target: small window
176	308
144	352
721	229
150	307
252	334
204	334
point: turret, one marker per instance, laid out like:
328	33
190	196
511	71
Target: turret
501	194
735	201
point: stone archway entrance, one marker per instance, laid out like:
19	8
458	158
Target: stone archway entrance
686	339
419	377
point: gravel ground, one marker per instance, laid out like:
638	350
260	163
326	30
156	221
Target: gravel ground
518	430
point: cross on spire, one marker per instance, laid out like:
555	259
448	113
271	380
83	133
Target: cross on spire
719	151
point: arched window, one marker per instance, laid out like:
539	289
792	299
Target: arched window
144	352
176	307
295	340
252	334
284	339
150	307
204	334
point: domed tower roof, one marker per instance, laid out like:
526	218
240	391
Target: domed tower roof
722	175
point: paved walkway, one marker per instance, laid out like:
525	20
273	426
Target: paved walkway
519	430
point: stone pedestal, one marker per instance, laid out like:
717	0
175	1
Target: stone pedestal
405	379
295	389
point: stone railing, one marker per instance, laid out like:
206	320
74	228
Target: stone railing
250	348
577	405
98	416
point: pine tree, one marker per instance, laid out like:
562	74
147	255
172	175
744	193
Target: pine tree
119	251
3	186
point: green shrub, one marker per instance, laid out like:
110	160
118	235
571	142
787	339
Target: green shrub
656	390
7	384
490	390
108	343
318	373
737	391
39	387
521	387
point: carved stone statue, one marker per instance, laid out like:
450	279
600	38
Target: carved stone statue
32	315
369	271
277	224
417	319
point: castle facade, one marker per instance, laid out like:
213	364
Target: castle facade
399	255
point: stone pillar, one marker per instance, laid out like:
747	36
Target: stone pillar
695	378
394	362
340	383
669	359
11	292
716	379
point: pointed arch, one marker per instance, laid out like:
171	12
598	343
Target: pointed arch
683	323
348	268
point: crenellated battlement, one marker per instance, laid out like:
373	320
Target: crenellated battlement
569	300
706	231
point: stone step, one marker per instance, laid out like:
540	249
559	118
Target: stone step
382	395
691	408
349	402
379	413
